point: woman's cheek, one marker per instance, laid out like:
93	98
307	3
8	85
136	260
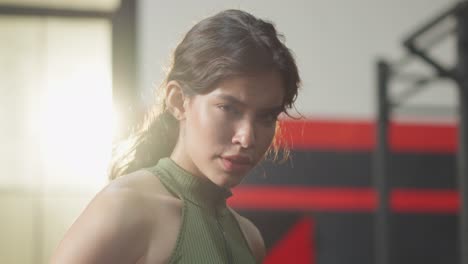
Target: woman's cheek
267	137
221	128
213	126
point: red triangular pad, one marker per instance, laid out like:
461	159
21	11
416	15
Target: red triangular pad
297	246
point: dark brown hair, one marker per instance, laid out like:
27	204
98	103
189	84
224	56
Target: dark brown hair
228	44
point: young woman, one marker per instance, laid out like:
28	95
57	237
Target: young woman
230	78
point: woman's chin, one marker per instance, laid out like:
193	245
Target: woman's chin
228	180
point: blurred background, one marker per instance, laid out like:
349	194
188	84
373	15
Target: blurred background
75	75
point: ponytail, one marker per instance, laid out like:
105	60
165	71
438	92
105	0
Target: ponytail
155	140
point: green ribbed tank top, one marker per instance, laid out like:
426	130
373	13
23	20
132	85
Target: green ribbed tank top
209	232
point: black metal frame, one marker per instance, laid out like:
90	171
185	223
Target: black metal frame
14	10
387	71
462	80
125	66
382	217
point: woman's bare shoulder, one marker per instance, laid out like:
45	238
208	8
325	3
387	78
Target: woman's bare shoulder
253	236
145	192
117	224
143	182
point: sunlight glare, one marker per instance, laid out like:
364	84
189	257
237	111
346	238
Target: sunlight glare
76	128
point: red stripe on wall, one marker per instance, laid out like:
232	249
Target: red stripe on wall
303	198
360	135
335	135
342	199
425	201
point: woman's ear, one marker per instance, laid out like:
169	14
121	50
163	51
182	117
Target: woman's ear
175	99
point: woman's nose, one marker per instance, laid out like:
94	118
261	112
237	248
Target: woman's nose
245	135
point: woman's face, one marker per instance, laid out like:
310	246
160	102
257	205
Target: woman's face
227	131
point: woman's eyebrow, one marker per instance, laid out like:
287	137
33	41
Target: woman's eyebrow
234	100
231	99
272	110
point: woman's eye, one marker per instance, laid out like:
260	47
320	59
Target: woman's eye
228	109
270	118
225	107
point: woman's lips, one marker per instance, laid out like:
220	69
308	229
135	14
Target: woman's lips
236	163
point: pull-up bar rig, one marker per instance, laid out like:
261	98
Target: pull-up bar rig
418	45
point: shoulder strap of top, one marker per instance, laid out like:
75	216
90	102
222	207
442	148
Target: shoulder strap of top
166	180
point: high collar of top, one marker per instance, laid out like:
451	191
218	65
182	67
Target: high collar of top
199	191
